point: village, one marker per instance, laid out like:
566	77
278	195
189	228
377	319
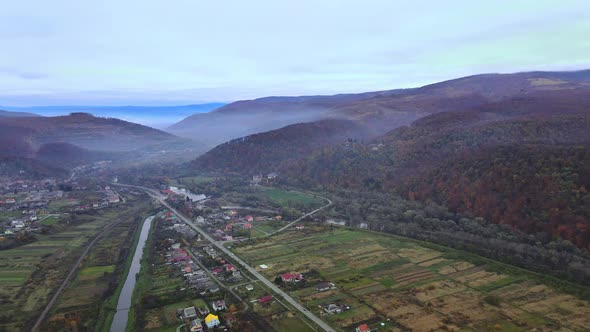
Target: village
222	292
33	206
216	292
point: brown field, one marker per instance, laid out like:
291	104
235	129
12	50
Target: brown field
416	288
480	278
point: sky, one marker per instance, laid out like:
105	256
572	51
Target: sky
174	52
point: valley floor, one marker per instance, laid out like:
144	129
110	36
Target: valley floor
393	284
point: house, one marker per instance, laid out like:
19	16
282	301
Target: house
212	321
249	288
299	227
279	218
175	246
363	328
10	201
247	225
218	305
203	311
190	312
217	270
18	224
249	218
195	326
324	286
272	176
230	267
291	277
256	179
333	308
265	299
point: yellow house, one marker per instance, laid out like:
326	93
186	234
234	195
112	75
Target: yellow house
211	320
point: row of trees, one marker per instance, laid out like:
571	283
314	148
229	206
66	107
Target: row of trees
435	223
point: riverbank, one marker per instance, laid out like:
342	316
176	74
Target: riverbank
141	280
108	310
120	318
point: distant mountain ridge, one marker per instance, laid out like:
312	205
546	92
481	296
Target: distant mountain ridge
160	116
15	114
66	141
382	110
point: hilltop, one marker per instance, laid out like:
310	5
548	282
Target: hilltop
381	110
514	151
66	141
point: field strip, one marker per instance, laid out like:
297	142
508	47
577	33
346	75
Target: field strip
466	272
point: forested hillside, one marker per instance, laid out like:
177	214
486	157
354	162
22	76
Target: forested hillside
525	165
269	151
511	149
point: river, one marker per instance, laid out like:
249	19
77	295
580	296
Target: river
124	303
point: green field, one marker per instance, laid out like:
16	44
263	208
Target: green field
8	215
61	203
96	271
290	198
417	286
52	220
30	273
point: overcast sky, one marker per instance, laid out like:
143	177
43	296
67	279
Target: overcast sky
118	52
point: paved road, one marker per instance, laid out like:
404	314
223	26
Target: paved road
305	215
214	278
243	264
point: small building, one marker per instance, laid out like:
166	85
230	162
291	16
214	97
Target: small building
189	313
212	321
203	311
218	305
196	326
249	288
18	224
324	286
363	328
291	277
333	308
265	299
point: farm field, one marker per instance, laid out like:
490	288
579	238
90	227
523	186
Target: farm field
90	298
290	198
30	273
407	285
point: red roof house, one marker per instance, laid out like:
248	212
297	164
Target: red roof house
265	299
363	328
291	277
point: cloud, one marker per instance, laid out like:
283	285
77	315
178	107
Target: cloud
127	52
26	75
